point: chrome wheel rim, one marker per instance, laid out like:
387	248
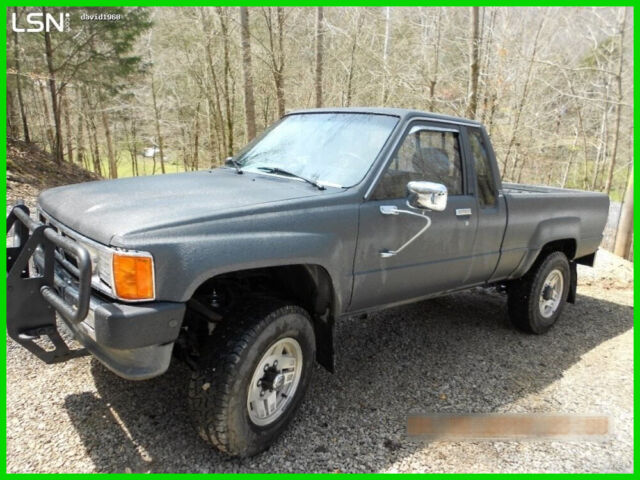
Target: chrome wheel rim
274	381
551	293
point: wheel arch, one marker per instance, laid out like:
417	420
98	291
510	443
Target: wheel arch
308	285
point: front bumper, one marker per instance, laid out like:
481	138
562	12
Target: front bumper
134	341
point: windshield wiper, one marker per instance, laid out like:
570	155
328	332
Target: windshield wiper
236	165
282	171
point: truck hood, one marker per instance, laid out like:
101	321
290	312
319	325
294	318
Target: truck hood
104	209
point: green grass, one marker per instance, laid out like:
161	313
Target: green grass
145	166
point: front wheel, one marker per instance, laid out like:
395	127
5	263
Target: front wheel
252	376
536	300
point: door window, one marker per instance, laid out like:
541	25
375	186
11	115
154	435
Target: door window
485	180
425	154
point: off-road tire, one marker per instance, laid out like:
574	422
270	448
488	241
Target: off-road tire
218	388
524	294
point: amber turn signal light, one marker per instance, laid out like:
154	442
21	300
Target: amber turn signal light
133	277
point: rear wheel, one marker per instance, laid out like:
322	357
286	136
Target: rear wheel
537	299
252	376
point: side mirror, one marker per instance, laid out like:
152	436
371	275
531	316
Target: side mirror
429	195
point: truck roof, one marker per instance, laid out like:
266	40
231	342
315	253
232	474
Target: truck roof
396	112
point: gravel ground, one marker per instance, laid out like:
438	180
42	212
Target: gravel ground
453	354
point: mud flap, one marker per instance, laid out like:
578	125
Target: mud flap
32	300
573	282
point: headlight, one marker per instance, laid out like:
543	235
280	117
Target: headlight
133	276
103	269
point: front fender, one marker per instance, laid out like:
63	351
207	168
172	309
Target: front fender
187	256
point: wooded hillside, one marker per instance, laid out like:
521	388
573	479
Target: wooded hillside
167	89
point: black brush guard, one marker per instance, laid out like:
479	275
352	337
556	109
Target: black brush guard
32	301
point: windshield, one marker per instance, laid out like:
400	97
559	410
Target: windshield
332	149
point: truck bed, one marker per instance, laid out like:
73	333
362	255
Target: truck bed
537	215
521	188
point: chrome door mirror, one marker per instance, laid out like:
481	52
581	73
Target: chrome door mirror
429	195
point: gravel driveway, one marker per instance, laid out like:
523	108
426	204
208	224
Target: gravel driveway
453	354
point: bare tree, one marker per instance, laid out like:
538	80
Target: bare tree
113	166
385	55
436	62
46	117
156	116
352	56
523	98
319	40
12	129
276	51
227	94
624	235
474	62
53	90
196	139
67	123
80	159
216	124
16	61
618	78
249	102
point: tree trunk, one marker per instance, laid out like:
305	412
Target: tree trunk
616	135
474	63
319	47
565	176
214	143
624	234
157	124
276	54
279	73
216	122
601	155
113	167
385	55
249	102
80	134
185	152
224	27
487	94
58	153
196	139
12	129
436	63
47	118
67	122
132	142
93	141
23	112
352	58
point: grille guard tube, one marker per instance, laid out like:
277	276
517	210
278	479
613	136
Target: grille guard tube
32	301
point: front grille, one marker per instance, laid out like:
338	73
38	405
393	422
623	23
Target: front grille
60	254
100	256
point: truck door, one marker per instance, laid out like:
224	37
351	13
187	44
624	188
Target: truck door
491	207
438	259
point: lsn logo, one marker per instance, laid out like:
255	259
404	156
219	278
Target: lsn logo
39	22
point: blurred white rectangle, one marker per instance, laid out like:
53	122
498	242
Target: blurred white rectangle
437	426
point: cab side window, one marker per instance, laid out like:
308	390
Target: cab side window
428	155
485	181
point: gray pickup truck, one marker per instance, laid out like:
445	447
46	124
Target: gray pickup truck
241	271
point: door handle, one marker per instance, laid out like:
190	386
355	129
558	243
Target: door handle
463	212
